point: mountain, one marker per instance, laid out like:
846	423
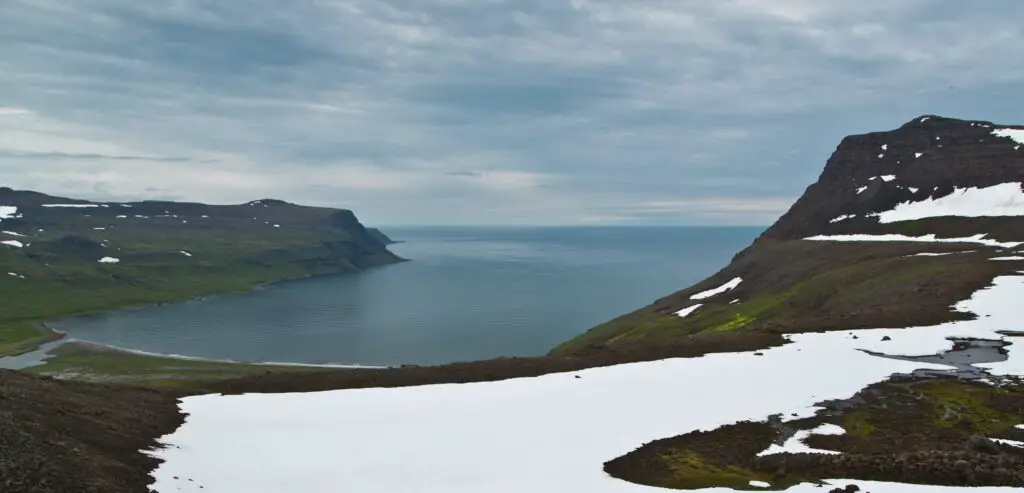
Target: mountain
931	176
380	236
63	256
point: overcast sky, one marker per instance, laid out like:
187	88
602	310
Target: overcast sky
484	111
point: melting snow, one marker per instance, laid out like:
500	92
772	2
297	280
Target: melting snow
795	445
13	243
918	154
980	238
537	434
720	289
843	218
861	189
1015	134
109	260
1005	199
688	310
77	206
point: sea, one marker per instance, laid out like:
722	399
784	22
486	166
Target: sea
467	293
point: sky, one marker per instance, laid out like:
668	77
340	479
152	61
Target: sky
502	112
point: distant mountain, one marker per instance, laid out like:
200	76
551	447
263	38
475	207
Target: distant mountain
380	236
98	255
934	176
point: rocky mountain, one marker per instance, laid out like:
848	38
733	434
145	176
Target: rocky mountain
956	180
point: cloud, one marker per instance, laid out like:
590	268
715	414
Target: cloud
450	111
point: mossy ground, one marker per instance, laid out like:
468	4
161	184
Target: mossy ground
901	430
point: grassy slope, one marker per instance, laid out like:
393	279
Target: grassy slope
61	280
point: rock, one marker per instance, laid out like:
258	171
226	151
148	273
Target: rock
886	338
982	444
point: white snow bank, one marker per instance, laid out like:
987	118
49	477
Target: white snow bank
1017	135
688	310
109	260
796	445
79	206
536	434
8	211
13	243
1005	199
930	238
720	289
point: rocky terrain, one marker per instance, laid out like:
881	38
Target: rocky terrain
941	201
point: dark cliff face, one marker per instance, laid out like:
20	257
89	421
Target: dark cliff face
925	158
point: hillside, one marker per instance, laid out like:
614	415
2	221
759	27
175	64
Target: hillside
959	181
62	256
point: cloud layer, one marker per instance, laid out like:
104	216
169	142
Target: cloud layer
486	112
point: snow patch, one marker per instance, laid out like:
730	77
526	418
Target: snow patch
843	218
1007	258
121	217
720	289
529	434
277	225
688	310
913	189
1012	443
888	177
12	233
760	484
861	189
931	254
885	147
880	156
183	252
8	211
918	154
109	260
19	276
734	302
13	243
1015	134
74	206
99	229
930	238
1005	199
795	445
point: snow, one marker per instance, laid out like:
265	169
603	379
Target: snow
183	252
204	216
1012	443
124	205
1015	134
1005	199
536	434
880	156
99	229
1019	427
77	206
760	484
925	118
109	260
688	310
861	189
122	217
913	189
918	154
930	238
720	289
12	233
842	218
1007	258
7	211
141	217
19	276
734	301
796	445
13	243
931	254
277	225
885	147
888	177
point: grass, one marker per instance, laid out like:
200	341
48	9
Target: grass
691	472
966	407
21	336
102	364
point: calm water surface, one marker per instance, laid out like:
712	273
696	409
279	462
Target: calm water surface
468	293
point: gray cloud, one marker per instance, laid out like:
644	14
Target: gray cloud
566	111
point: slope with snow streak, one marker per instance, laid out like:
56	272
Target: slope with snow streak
1006	199
542	434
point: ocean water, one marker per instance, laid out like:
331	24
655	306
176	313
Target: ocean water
467	294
